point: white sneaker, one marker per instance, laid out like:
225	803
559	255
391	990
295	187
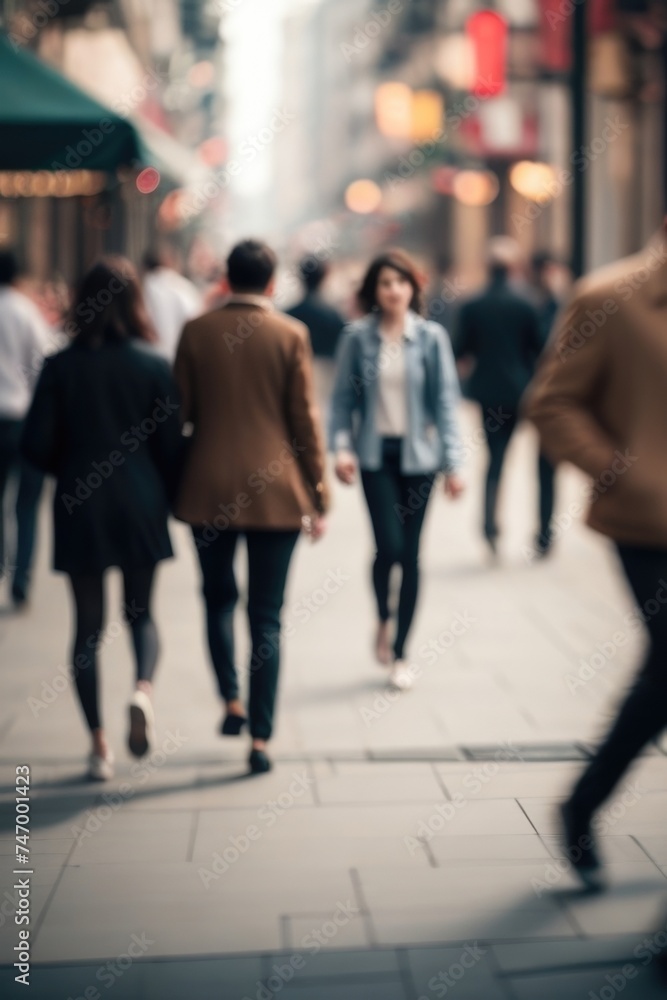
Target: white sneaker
100	768
400	676
141	735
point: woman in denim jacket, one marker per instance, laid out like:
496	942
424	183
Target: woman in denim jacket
393	414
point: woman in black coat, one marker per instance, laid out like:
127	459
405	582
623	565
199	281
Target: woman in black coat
105	422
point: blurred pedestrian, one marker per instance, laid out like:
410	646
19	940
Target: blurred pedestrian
393	416
104	421
542	291
255	468
24	341
499	338
324	323
171	299
600	402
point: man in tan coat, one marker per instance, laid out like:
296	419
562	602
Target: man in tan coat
600	401
255	467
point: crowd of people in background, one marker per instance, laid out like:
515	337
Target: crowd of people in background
149	397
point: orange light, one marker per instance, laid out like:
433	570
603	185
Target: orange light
427	114
363	196
393	110
534	181
475	188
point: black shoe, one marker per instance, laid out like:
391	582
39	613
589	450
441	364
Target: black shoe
492	542
543	546
232	725
580	848
19	594
259	762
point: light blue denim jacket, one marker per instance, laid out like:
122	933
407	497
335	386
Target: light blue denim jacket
432	442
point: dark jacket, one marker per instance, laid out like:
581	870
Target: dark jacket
323	321
106	423
500	331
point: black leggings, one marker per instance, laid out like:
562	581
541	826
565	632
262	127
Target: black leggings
397	505
88	594
643	714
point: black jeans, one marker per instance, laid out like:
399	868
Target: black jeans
498	427
643	714
88	595
269	555
397	505
30	484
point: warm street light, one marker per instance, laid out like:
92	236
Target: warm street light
363	196
475	188
534	181
393	110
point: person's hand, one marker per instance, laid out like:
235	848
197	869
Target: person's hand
314	526
454	486
346	467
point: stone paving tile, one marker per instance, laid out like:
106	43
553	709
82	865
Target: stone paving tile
633	903
329	963
589	984
467	818
504	781
611	849
343	852
379	788
488	849
466	972
301	932
548	955
352	990
443	924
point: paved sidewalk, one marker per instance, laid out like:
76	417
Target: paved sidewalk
402	847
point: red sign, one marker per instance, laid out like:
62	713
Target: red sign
488	34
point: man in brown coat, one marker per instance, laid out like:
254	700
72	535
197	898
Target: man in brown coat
600	401
255	467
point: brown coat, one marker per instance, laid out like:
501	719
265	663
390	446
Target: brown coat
599	399
256	457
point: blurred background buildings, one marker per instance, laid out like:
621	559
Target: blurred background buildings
337	126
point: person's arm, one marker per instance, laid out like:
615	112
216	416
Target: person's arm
345	395
167	444
303	421
533	339
559	399
184	377
447	398
41	436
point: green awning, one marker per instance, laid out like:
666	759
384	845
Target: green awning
47	123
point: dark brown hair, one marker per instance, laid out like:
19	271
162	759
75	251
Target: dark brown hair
109	305
399	261
250	266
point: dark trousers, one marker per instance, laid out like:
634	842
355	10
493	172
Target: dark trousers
643	714
269	555
88	596
498	427
30	485
397	505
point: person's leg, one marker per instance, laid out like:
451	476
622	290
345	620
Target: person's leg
383	497
9	455
269	555
497	438
415	494
88	595
643	714
31	483
138	589
220	592
547	475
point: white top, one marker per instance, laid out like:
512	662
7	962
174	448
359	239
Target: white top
171	301
391	415
25	338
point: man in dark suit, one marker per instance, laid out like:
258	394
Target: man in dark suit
324	322
255	468
499	338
